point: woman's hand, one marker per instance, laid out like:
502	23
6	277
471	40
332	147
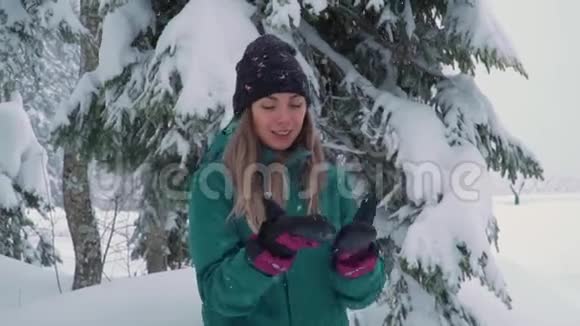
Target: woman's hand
273	249
355	250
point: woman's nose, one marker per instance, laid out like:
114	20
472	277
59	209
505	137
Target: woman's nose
284	115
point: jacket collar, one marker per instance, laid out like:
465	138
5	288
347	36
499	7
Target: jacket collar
296	156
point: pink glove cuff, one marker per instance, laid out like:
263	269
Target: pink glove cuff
295	242
353	265
272	265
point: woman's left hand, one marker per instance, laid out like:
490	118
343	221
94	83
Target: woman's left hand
355	250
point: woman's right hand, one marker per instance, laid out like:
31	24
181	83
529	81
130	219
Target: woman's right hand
280	237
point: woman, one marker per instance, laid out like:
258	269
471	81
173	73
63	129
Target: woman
256	262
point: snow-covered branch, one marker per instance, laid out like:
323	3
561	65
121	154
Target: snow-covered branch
22	158
352	76
475	24
204	62
469	115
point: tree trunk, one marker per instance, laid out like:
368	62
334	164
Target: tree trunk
156	256
154	216
82	223
517	193
81	220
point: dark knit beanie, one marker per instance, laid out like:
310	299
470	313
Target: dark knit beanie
268	66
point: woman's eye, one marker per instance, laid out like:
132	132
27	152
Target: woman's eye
296	105
267	107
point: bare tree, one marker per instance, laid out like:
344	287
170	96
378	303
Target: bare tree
517	191
112	228
116	230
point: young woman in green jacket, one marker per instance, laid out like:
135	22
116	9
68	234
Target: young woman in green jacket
276	236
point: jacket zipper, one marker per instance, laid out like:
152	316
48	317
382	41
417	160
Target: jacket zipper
288	308
291	203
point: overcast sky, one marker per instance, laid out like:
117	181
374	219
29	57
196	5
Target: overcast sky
546	35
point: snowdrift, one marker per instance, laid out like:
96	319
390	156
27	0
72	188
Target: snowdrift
171	298
22	284
543	281
159	299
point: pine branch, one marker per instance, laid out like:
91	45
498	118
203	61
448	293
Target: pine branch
349	71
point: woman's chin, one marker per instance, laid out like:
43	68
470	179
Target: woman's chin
280	144
279	147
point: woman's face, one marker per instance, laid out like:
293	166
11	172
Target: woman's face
278	119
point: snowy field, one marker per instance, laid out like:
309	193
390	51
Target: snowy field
542	237
538	254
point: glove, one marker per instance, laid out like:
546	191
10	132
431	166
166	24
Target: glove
355	251
273	248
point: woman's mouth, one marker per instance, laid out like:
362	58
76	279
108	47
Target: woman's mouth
281	132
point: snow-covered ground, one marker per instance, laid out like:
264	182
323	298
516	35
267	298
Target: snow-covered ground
541	236
22	284
118	263
538	255
159	299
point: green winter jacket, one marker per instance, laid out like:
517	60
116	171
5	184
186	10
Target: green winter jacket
233	292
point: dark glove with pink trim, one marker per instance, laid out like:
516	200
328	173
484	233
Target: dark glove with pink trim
355	250
273	249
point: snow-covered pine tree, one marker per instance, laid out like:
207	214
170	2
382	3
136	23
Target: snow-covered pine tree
42	89
23	186
37	56
29	32
191	84
163	85
398	99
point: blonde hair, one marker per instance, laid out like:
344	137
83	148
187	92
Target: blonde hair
241	156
